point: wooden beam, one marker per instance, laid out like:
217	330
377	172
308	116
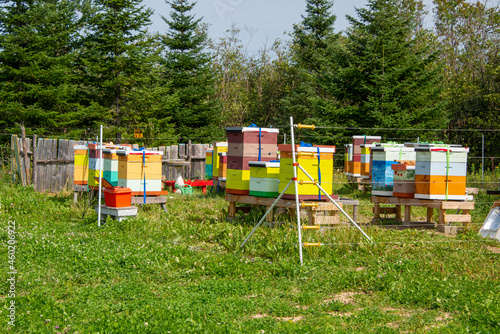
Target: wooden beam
457	219
25	154
457	205
35	161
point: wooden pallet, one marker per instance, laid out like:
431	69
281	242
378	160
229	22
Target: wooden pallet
325	213
445	219
359	182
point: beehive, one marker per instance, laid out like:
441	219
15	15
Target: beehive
218	147
440	173
319	167
110	166
404	180
348	162
222	166
209	163
264	178
356	160
140	170
94	164
246	144
384	156
366	160
81	168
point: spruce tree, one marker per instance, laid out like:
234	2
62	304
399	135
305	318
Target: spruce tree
38	83
119	63
309	47
389	75
188	67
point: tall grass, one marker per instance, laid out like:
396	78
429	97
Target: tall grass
184	272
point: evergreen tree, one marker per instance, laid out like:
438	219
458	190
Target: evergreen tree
309	47
389	75
119	61
188	68
38	83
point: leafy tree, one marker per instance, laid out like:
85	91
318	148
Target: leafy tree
469	33
187	67
38	83
388	75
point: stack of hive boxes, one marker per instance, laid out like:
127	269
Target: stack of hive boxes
209	163
318	166
222	166
357	162
404	179
110	164
348	159
440	172
384	156
95	167
366	161
264	178
247	144
81	168
140	170
218	147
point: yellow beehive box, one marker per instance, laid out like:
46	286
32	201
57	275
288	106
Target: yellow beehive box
320	169
81	165
237	181
218	147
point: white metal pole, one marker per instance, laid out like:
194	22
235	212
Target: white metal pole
99	188
299	229
265	215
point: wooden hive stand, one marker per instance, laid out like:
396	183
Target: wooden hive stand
359	182
318	213
445	218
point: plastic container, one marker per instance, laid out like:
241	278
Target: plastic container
118	197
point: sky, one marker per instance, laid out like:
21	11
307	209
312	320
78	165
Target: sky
261	22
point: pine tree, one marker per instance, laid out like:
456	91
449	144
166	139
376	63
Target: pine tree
119	61
38	83
187	67
309	48
389	74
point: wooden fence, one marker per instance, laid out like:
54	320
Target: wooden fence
48	164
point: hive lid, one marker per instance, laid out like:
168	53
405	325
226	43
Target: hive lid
220	144
252	129
454	149
118	190
367	137
80	147
313	149
264	164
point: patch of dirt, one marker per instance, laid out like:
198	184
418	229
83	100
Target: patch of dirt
444	317
340	314
259	316
492	249
344	297
250	296
399	311
293	319
359	268
302	307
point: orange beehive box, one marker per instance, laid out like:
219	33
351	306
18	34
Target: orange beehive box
118	197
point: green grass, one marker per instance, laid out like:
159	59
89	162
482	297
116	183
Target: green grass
183	272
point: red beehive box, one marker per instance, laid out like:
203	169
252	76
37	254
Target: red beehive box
118	197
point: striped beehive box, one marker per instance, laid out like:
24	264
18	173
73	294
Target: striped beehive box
209	163
95	167
318	166
140	170
81	168
440	172
366	160
222	166
356	160
264	178
218	147
404	180
384	156
110	163
348	162
246	144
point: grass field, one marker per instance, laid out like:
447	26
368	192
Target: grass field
183	272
